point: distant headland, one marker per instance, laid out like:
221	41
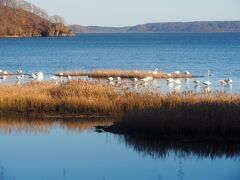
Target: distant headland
20	18
170	27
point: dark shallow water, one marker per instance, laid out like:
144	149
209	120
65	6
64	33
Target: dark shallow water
56	150
197	53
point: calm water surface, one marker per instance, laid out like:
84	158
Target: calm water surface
56	150
197	53
70	150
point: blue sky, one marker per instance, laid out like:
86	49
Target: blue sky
132	12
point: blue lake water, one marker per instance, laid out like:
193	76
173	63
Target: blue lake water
73	150
197	53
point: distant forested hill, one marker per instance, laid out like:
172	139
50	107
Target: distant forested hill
19	23
29	7
178	27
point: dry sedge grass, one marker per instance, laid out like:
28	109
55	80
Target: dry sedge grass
146	112
215	115
124	74
72	97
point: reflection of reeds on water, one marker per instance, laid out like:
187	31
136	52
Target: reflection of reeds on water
37	125
183	149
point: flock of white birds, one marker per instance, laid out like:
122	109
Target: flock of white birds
39	76
176	81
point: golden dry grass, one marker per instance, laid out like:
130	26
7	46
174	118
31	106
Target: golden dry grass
206	115
148	112
124	74
90	97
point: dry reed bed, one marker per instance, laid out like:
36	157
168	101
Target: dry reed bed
176	116
124	74
147	112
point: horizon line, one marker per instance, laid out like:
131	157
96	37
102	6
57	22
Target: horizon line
166	22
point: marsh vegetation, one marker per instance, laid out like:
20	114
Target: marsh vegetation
105	73
147	113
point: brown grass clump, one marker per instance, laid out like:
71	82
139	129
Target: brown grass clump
185	115
147	112
124	74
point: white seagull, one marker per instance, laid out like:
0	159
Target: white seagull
155	72
119	78
177	82
170	80
229	81
196	82
19	71
54	77
187	73
40	74
208	82
5	72
134	79
145	79
33	76
69	78
110	78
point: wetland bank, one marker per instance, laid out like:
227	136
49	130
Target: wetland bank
146	113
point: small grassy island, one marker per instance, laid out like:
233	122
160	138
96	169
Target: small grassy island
105	73
148	114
